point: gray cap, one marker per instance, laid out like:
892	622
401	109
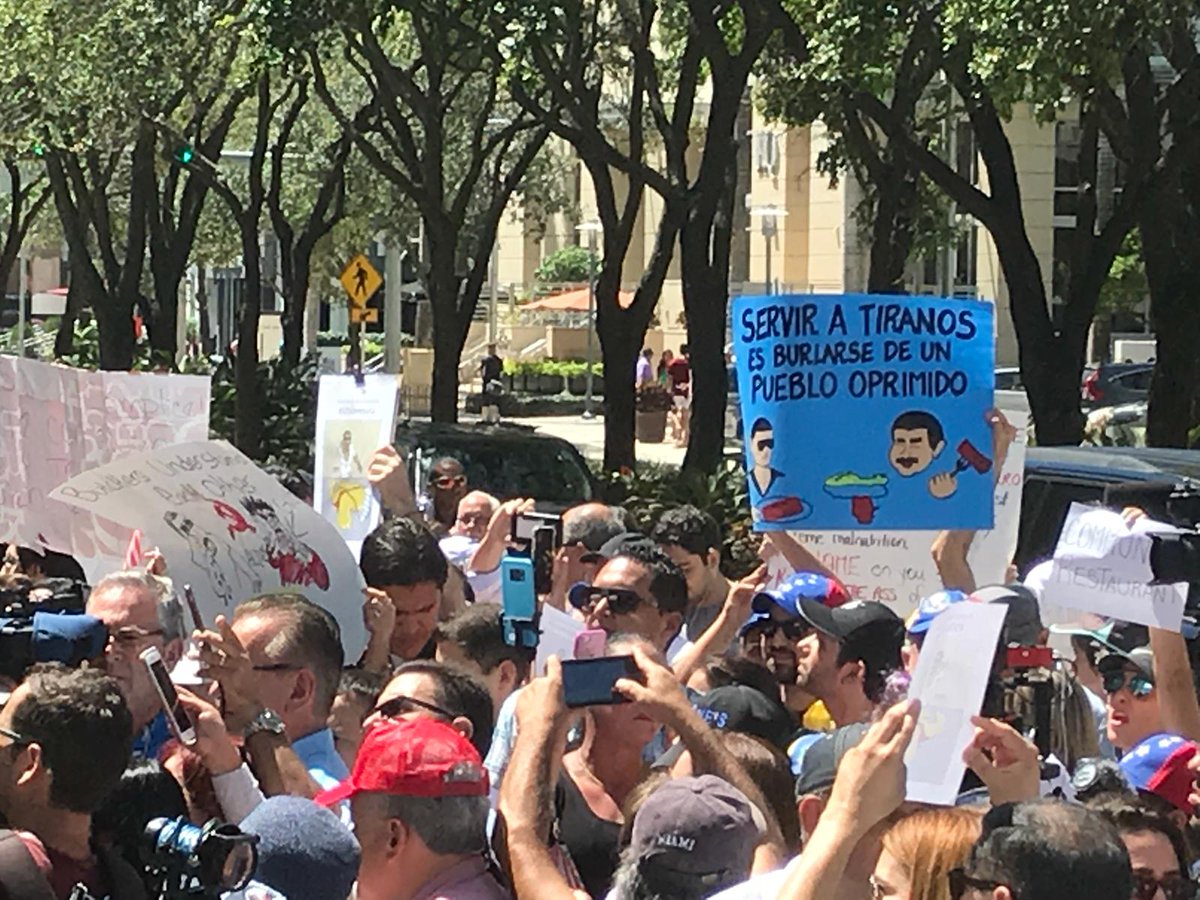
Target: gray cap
819	766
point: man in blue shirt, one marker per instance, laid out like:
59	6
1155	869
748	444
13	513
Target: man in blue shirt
139	611
278	664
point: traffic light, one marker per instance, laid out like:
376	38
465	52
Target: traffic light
184	154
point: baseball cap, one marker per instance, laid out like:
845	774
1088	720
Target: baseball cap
697	828
1159	765
819	764
413	758
742	708
1141	658
613	546
1023	621
801	586
869	631
931	607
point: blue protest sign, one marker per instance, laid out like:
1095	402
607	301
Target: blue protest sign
863	411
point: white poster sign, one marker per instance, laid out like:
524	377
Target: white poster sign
897	568
1102	566
227	528
559	630
950	680
57	422
354	419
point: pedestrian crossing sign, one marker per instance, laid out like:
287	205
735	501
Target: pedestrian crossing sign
360	279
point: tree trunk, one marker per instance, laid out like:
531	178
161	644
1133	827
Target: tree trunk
896	202
64	341
450	323
1171	248
162	327
620	342
208	342
247	424
295	297
114	322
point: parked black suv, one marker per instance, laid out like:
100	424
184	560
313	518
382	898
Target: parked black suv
505	460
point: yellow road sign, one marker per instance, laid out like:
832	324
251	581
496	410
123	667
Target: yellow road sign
358	315
360	280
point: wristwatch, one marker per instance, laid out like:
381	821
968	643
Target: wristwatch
267	720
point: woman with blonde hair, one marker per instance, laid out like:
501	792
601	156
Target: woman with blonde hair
920	850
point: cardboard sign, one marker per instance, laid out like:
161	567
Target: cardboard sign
950	680
227	528
897	568
353	421
1101	565
866	412
57	422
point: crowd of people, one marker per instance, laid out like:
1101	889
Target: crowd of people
755	746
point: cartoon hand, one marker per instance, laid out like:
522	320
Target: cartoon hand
943	485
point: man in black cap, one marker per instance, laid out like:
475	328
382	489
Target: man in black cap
740	708
846	658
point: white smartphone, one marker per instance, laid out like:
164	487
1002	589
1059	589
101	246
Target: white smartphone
177	717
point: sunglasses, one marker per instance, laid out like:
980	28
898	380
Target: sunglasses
1174	887
768	444
620	601
399	706
277	667
1139	684
793	629
16	737
960	882
445	482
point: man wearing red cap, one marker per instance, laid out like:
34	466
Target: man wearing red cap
419	796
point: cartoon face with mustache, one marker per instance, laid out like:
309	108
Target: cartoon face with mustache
917	440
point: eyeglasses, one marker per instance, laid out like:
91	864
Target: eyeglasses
398	706
445	482
960	881
16	737
1139	684
277	667
768	444
620	601
793	629
1174	887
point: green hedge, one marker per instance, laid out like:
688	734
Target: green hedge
652	489
567	368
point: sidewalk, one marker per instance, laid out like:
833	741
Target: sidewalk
588	436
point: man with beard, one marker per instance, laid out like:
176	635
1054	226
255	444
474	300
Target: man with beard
847	651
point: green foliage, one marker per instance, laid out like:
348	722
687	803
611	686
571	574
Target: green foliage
289	405
567	368
568	265
1126	287
653	489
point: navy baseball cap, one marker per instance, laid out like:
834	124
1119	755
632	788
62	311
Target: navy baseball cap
799	587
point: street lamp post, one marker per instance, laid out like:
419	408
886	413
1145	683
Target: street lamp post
770	216
591	229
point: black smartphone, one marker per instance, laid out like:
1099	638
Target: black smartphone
542	554
193	607
525	524
589	682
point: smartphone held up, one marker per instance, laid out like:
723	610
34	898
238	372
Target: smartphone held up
177	716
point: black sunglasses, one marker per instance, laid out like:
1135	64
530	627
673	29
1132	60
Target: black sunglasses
1174	887
398	706
620	601
1139	684
768	444
793	629
960	881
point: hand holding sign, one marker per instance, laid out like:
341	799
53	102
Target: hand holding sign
866	412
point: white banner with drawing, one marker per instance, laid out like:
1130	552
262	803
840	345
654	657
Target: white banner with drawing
227	528
354	419
897	568
57	422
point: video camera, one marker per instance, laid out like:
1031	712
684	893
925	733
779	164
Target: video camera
45	622
187	860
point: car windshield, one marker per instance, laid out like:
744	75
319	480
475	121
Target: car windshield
544	470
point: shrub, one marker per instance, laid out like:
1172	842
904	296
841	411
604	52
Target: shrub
566	266
652	489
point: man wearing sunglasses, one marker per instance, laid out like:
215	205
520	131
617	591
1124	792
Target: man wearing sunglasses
638	591
1130	696
447	486
424	689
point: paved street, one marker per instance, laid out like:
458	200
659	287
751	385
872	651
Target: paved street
588	436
